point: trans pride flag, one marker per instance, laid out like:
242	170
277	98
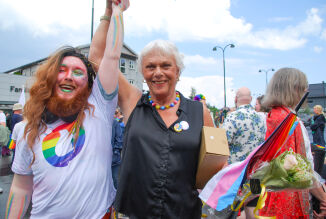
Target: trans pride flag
221	191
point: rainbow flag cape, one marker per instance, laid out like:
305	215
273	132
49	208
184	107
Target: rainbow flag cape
221	191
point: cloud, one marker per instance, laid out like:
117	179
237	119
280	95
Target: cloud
289	38
217	24
318	49
201	61
210	86
311	26
48	17
180	21
186	19
198	59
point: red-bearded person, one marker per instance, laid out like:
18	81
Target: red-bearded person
63	151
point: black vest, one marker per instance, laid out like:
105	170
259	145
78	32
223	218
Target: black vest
159	164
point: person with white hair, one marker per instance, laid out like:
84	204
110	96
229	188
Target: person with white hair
162	137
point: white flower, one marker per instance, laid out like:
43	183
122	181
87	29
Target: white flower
290	161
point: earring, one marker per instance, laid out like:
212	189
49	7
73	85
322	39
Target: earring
144	81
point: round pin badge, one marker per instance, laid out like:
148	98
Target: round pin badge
184	125
177	127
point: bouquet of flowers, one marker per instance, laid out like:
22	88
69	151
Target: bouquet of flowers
287	171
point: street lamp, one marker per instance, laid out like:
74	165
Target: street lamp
223	49
92	22
266	71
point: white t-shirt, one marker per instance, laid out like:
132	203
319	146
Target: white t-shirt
307	144
16	131
70	183
2	117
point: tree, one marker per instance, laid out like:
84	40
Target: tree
192	93
212	108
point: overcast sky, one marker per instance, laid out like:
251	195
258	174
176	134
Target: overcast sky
266	34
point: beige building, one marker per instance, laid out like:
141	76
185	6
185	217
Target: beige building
13	80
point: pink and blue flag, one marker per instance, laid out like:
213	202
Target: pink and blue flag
220	192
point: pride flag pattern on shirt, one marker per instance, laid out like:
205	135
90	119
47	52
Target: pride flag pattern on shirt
50	142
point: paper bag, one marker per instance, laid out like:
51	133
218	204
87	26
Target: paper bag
214	152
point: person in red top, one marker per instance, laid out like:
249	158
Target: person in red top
284	92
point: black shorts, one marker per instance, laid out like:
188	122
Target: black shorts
253	203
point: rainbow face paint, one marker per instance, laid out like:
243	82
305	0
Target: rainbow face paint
50	141
72	77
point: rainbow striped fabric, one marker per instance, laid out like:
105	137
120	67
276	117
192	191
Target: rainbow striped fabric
11	144
319	146
221	190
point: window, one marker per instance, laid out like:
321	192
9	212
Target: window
122	65
131	64
131	81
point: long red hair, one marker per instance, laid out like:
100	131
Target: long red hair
42	90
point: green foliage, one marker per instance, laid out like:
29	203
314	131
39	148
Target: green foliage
192	93
18	73
212	108
307	111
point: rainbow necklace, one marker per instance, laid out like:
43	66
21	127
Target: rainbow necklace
158	106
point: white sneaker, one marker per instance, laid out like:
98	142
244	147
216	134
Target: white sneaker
1	190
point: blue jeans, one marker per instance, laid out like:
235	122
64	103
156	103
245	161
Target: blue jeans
115	175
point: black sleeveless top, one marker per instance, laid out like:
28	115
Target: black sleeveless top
159	164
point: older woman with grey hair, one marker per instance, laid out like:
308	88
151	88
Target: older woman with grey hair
162	137
162	140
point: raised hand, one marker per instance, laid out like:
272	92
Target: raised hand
122	4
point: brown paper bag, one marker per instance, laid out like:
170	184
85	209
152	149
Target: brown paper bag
214	152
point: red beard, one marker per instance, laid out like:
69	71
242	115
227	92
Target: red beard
64	108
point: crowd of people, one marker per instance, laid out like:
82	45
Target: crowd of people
89	143
8	130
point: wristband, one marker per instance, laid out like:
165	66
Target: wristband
105	17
